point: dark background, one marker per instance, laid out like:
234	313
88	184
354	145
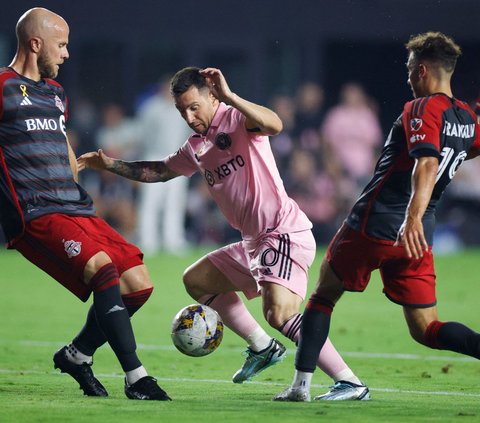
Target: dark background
264	47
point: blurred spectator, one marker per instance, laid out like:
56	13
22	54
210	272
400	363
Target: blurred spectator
84	120
162	207
283	143
118	134
115	197
352	130
309	115
319	191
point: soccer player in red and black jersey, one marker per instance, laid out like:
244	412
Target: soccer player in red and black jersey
50	219
390	227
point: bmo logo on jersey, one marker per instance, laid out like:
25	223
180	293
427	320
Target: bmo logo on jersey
46	124
224	170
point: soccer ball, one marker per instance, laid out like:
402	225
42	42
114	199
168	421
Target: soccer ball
197	330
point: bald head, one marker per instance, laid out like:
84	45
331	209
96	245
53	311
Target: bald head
39	22
42	44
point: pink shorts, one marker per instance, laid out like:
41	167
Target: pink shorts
354	256
283	259
61	246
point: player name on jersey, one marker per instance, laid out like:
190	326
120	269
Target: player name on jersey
458	130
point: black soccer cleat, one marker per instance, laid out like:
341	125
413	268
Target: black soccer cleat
146	388
82	373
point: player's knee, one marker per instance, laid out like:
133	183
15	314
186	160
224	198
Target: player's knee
188	279
139	284
94	264
276	315
135	300
192	285
135	279
418	334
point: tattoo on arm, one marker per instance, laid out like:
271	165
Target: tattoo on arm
141	171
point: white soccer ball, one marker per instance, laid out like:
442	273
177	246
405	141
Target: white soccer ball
197	330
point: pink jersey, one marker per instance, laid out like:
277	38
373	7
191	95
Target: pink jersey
242	176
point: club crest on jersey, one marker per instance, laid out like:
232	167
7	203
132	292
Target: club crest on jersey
59	104
223	141
72	248
416	124
209	178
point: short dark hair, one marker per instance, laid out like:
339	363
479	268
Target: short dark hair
185	78
436	48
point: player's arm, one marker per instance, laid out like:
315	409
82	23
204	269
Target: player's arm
411	234
259	119
142	171
73	162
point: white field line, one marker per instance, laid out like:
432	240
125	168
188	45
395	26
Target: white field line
29	343
273	384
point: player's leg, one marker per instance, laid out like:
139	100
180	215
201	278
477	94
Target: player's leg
313	345
207	283
82	266
44	245
426	329
135	288
281	310
113	318
315	349
414	288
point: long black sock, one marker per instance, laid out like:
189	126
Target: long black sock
91	337
313	333
113	318
453	336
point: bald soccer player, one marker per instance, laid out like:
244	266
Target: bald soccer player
50	219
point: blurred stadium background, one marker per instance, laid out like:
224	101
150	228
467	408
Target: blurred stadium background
333	70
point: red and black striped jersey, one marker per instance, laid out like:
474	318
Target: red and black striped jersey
437	126
35	174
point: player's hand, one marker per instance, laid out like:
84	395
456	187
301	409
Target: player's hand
412	238
218	84
94	160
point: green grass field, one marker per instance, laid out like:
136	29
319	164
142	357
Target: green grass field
407	381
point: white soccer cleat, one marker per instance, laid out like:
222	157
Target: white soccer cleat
256	362
299	394
345	391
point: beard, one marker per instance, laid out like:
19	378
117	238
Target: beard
46	68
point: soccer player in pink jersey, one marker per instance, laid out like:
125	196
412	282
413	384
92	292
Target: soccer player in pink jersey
231	149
